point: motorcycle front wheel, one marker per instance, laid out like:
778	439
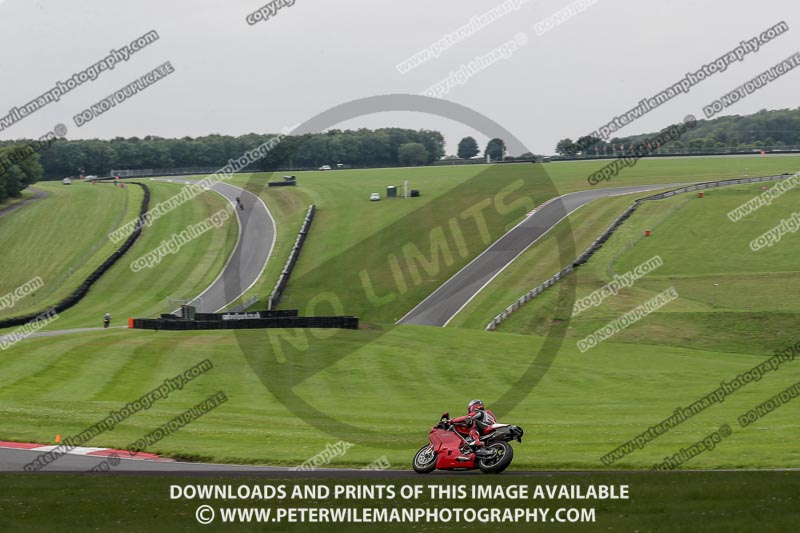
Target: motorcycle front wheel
498	462
425	460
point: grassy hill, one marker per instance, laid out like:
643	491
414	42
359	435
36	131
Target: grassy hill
383	386
120	291
731	298
351	234
61	238
387	392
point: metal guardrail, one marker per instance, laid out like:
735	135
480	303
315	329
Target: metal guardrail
244	305
598	243
294	255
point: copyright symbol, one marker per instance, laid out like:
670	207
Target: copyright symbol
204	514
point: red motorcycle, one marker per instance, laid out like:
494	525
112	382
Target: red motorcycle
449	450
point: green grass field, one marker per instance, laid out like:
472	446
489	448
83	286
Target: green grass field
61	239
385	227
120	291
732	299
382	387
391	388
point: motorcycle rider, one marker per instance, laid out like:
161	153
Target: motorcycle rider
106	320
478	419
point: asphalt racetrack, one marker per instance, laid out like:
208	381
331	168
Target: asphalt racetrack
445	302
250	255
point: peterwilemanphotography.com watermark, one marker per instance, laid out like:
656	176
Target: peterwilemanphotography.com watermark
612	169
466	71
706	444
165	430
90	73
717	396
684	85
765	198
117	416
192	190
449	40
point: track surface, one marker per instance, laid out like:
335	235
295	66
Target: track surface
445	302
249	256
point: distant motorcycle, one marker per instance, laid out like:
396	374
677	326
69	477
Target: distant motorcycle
449	450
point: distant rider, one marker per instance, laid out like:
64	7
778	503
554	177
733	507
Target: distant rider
106	320
478	419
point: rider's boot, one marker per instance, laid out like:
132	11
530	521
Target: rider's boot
477	446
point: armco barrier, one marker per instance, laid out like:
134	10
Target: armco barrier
598	243
294	255
84	287
328	322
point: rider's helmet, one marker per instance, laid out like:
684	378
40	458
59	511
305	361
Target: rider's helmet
475	404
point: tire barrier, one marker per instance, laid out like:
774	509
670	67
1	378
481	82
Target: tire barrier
327	322
294	255
598	243
83	288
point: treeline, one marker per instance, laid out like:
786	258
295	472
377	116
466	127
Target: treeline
19	167
765	130
362	148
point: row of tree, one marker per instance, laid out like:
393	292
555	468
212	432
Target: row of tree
765	130
495	149
17	172
361	148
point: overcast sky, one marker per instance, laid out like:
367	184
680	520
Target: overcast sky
233	78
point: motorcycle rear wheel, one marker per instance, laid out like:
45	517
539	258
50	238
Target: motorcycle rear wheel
425	460
499	461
